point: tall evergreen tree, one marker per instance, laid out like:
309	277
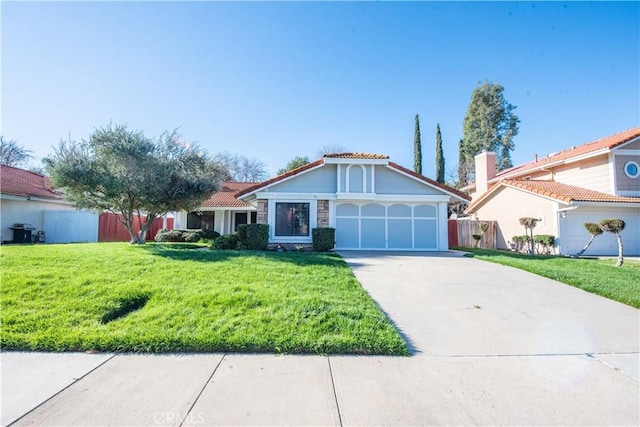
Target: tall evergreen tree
417	148
439	156
489	125
463	165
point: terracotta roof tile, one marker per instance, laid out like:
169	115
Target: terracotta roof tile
554	190
606	143
226	195
431	181
356	156
20	182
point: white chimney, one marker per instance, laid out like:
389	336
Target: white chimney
485	170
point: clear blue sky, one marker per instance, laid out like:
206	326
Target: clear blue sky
276	80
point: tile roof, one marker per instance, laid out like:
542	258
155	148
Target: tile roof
356	156
20	182
564	193
226	195
444	187
606	143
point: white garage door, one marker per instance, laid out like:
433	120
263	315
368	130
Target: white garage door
574	235
386	226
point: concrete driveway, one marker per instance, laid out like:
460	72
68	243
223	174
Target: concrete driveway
492	346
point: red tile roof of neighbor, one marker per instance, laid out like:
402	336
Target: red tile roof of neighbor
605	144
561	192
226	195
20	182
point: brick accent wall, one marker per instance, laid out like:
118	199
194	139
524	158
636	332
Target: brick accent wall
323	213
263	211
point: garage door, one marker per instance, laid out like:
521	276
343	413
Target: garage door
575	236
386	226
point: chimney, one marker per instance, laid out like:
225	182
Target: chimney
485	170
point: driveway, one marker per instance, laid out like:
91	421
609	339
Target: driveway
491	345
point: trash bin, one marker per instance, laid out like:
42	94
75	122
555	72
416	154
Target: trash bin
22	233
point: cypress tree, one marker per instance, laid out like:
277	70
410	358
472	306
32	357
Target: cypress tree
439	156
417	148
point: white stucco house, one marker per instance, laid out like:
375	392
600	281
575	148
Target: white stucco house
585	183
373	203
28	198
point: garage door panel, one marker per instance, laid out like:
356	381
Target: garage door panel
575	236
425	234
347	231
373	233
399	233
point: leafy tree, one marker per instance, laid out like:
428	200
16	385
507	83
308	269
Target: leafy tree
615	226
12	153
124	172
489	125
240	168
417	148
294	163
439	156
594	230
463	166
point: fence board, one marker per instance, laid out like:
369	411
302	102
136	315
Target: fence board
466	228
111	230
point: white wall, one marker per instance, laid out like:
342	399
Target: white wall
25	211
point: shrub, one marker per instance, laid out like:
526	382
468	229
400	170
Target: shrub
323	239
254	237
520	242
170	236
209	234
228	241
546	241
192	236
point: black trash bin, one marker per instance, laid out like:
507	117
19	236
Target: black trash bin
22	233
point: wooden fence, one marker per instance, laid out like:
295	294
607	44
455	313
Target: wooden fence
111	230
461	233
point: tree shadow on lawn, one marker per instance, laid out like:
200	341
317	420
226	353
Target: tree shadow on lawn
182	252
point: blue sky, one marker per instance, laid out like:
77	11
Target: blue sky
276	80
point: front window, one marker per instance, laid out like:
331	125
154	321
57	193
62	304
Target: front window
200	220
292	219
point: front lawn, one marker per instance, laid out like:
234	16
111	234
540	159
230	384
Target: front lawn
173	298
598	276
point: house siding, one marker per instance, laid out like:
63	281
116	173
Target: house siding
623	182
27	212
590	173
632	146
321	180
508	205
392	182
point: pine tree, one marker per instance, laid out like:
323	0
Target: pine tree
439	156
417	148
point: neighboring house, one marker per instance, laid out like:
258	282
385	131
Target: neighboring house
28	198
586	183
372	203
222	212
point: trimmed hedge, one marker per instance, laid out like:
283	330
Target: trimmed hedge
228	241
323	239
191	236
254	237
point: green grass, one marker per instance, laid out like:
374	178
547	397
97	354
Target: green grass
174	298
598	276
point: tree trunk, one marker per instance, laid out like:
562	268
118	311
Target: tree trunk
620	257
583	250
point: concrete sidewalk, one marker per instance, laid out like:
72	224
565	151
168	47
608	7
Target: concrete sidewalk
492	345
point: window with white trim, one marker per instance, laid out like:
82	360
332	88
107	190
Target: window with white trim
292	219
